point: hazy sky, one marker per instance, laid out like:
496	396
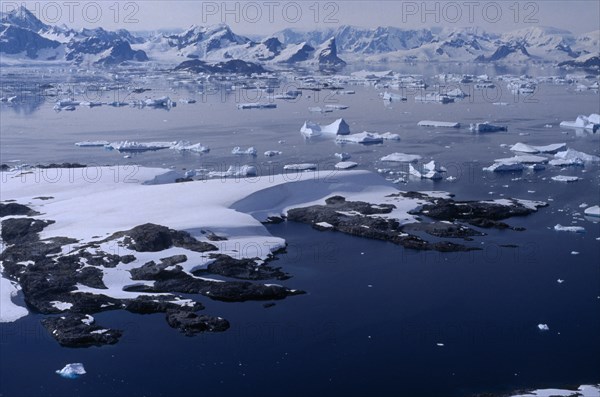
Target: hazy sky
265	17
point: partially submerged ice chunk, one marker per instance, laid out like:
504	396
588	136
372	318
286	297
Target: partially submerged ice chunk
592	211
402	158
487	127
72	371
572	229
444	124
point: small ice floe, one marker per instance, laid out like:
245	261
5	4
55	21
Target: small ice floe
336	106
342	156
560	281
524	159
563	178
505	167
439	344
132	146
271	153
66	104
90	104
300	167
338	127
572	229
317	109
543	327
345	165
500	103
390	97
524	148
591	122
574	252
187	100
234	171
251	151
257	106
367	138
92	143
162	102
574	157
72	371
434	98
548	126
185	146
345	92
428	171
401	158
592	211
443	124
487	127
457	93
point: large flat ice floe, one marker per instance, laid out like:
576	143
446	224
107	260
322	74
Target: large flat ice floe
443	124
366	138
524	148
401	158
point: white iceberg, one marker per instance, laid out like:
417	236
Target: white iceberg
257	106
343	156
185	146
92	143
251	151
345	165
428	171
457	93
402	158
524	159
363	138
433	97
72	371
132	146
592	211
572	229
271	153
487	127
162	102
574	155
235	171
505	167
336	107
543	327
444	124
524	148
563	178
300	167
591	122
338	127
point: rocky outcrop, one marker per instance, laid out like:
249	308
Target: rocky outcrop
191	323
79	330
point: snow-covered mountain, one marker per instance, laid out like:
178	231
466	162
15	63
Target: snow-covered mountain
23	36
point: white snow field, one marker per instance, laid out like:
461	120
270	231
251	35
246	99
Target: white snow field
129	196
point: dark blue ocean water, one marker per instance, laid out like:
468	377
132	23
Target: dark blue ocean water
369	325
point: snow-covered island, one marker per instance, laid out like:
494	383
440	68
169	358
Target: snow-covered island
139	258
